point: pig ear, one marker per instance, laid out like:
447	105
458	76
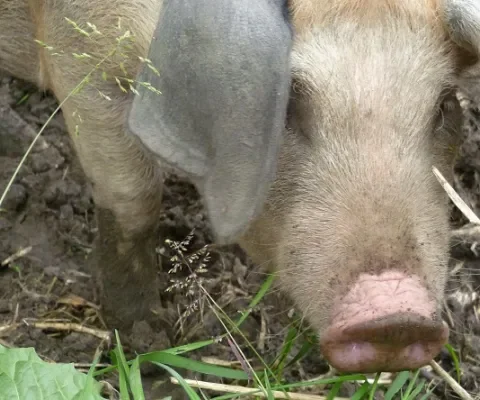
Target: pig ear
224	78
463	20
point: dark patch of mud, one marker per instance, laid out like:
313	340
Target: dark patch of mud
49	215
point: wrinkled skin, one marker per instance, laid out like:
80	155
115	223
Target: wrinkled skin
355	225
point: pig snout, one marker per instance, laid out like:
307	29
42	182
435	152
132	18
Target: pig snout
385	322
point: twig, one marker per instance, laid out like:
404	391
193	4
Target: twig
59	326
457	200
88	365
20	253
6	328
263	331
221	388
106	342
468	233
450	381
223	363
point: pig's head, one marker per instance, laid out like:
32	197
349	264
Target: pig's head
355	222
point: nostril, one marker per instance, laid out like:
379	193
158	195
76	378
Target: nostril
392	343
415	352
399	328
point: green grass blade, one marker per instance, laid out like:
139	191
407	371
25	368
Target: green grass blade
90	379
426	396
123	368
121	355
189	347
23	99
190	392
360	393
373	388
268	388
334	391
122	379
193	365
285	350
301	353
411	384
417	390
397	384
456	362
256	299
136	381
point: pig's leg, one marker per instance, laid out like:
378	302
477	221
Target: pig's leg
127	189
126	180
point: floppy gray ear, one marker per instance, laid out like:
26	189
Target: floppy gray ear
463	19
224	79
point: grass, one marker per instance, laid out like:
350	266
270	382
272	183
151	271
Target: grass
268	382
244	381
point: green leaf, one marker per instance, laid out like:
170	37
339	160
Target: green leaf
23	375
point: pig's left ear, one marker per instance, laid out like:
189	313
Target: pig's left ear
463	21
224	78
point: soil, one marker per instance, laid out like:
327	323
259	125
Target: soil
47	227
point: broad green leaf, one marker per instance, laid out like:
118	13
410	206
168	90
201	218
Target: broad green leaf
24	376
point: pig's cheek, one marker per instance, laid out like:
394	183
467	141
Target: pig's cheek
311	292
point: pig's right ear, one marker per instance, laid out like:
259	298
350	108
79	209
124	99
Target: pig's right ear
463	20
224	78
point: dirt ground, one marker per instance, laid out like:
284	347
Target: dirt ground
47	225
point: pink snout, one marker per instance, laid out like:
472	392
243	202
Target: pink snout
384	324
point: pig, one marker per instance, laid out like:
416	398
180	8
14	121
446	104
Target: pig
310	128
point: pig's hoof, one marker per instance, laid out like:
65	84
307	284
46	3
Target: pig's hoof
124	317
145	339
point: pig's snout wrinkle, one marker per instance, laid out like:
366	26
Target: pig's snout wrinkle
385	323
